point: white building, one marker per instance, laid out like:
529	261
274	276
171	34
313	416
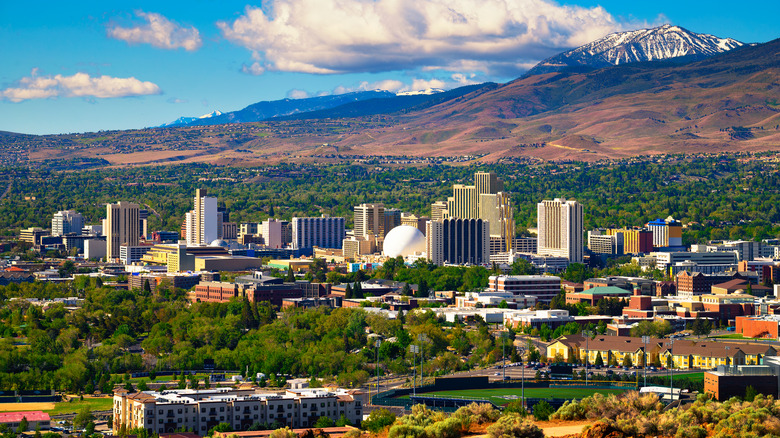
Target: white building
200	410
271	230
560	227
131	254
322	232
493	299
203	222
94	249
535	318
67	222
664	260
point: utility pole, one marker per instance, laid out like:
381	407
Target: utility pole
522	374
671	370
587	354
422	337
503	355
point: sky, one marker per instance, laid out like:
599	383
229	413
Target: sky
99	65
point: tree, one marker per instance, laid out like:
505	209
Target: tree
599	360
147	287
290	276
503	305
406	290
358	291
142	386
750	393
348	294
627	362
542	411
343	421
83	418
247	317
323	422
422	289
23	425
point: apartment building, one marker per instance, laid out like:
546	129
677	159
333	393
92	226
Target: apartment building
543	287
200	410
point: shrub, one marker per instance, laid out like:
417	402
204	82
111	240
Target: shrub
285	432
405	431
514	426
516	407
449	428
378	420
354	433
477	413
543	410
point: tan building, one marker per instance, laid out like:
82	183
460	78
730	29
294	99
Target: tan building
200	410
370	219
439	210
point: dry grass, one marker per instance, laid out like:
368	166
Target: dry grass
18	407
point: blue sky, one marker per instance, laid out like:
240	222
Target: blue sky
97	65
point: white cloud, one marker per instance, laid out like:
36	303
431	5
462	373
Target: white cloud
297	94
159	32
416	84
78	85
344	36
254	69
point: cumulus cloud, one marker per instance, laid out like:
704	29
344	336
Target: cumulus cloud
78	85
346	36
297	94
159	32
416	84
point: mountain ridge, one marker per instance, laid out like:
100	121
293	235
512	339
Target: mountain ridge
660	43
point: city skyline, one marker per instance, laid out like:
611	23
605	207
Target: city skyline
91	66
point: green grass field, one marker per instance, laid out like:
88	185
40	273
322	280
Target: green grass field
94	404
501	396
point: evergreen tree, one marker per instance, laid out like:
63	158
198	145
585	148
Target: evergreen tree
247	318
406	290
147	287
348	294
358	292
290	276
599	360
422	289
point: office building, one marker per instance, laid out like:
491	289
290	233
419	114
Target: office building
271	230
415	221
560	225
439	210
370	219
32	235
458	241
203	225
497	210
165	236
463	202
132	254
635	240
250	228
667	233
322	232
67	222
392	219
121	227
543	287
601	243
143	222
488	182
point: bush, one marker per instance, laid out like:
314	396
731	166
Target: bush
477	413
404	431
378	420
516	407
450	428
543	410
285	432
514	426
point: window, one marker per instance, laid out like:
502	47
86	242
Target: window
160	411
160	421
203	410
222	409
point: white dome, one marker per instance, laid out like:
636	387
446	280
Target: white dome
403	241
219	242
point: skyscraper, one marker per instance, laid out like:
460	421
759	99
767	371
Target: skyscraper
560	224
121	227
370	219
457	241
323	232
66	222
203	225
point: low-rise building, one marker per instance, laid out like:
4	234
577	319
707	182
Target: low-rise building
543	287
200	410
594	295
35	420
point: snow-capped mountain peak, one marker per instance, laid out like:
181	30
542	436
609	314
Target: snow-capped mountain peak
214	113
427	91
664	42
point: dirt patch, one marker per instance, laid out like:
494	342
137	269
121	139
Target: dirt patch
562	428
17	407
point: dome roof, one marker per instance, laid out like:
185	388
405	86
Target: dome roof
219	242
403	240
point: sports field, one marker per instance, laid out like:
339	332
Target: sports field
502	396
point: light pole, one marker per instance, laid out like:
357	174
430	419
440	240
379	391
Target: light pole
503	355
377	344
414	349
422	337
645	340
671	370
587	354
522	374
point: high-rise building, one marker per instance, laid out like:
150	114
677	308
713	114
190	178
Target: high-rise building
439	210
322	232
203	225
488	182
392	219
458	241
271	230
415	221
463	202
122	227
635	240
560	225
370	219
67	222
496	208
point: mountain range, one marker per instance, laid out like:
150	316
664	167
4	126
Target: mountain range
728	101
659	43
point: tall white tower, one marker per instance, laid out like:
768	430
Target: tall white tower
560	224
